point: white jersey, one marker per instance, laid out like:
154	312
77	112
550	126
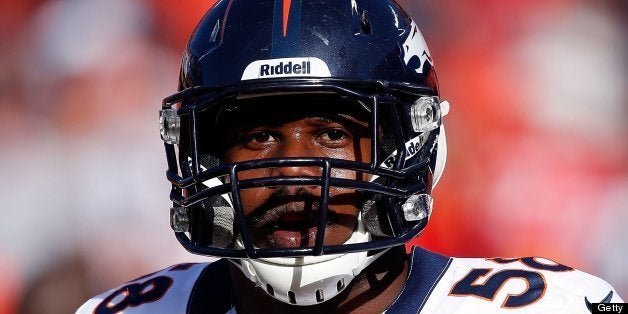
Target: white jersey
436	284
522	285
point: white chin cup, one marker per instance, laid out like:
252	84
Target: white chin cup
308	280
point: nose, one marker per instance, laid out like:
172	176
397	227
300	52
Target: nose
295	148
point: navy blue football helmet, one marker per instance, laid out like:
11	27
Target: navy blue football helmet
362	53
369	52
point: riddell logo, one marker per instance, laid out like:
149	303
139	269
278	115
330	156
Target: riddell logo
285	68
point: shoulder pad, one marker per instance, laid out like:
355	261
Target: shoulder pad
164	291
531	284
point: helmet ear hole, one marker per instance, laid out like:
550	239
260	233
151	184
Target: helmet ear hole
215	223
374	214
375	219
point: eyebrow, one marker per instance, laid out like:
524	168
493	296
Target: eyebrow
355	125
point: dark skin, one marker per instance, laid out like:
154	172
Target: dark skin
286	216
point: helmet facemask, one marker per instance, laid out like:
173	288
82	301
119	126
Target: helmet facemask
392	191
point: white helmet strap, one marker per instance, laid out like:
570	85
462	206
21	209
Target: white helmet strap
306	284
309	280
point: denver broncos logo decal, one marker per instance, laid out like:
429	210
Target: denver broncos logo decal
415	52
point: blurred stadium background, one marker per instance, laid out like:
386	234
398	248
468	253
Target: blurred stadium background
538	138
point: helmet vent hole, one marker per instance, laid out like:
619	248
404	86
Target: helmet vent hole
340	285
319	295
292	297
365	24
270	290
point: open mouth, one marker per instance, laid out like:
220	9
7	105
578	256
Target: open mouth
286	238
292	221
293	230
289	230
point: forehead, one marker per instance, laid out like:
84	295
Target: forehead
278	109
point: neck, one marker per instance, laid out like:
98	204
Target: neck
372	291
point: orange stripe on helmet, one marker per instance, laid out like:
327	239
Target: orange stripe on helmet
286	13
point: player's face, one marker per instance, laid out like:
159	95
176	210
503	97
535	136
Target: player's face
287	216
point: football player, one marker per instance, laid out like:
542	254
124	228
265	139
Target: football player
303	146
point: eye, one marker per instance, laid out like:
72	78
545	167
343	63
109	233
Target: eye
258	139
334	137
261	137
